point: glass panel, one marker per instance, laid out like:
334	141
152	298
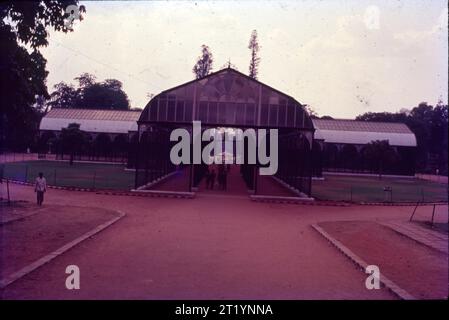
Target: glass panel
162	110
222	112
273	115
281	115
264	115
240	114
250	114
242	109
180	111
230	113
290	114
299	117
171	110
213	112
188	111
202	111
153	110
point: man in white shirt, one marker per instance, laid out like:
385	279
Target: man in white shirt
40	187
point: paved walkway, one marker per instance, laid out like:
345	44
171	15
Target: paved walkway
267	185
235	184
422	234
179	181
210	247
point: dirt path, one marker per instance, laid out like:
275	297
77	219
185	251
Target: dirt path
27	239
418	269
205	248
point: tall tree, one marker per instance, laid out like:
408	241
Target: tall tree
85	80
73	139
64	95
90	94
104	95
430	126
23	32
203	66
255	60
380	154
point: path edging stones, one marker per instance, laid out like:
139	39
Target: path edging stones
190	195
361	264
47	258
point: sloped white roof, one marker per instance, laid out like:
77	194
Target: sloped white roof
363	132
90	120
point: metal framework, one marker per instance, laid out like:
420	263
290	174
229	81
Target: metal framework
226	98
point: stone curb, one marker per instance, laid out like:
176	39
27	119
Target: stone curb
162	193
361	264
40	262
155	193
292	200
428	244
398	204
184	195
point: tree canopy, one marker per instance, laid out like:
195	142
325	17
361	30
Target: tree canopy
90	94
23	32
430	126
204	63
380	154
73	139
255	60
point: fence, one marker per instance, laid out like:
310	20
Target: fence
435	215
80	175
372	189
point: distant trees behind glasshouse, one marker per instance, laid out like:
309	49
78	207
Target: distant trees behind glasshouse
74	144
430	126
90	94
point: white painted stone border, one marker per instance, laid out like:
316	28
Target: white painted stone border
280	198
361	264
163	193
157	180
40	262
350	174
292	189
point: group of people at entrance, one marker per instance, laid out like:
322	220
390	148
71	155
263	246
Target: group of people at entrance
221	177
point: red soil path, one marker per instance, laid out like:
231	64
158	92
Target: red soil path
211	247
266	185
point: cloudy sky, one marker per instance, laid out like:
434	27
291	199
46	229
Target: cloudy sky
343	58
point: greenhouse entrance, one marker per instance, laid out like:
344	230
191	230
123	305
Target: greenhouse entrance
224	100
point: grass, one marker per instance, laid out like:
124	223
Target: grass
82	175
371	189
114	176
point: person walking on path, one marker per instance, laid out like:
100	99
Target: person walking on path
40	187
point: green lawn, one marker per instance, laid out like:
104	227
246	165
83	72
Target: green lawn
371	189
83	175
114	176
